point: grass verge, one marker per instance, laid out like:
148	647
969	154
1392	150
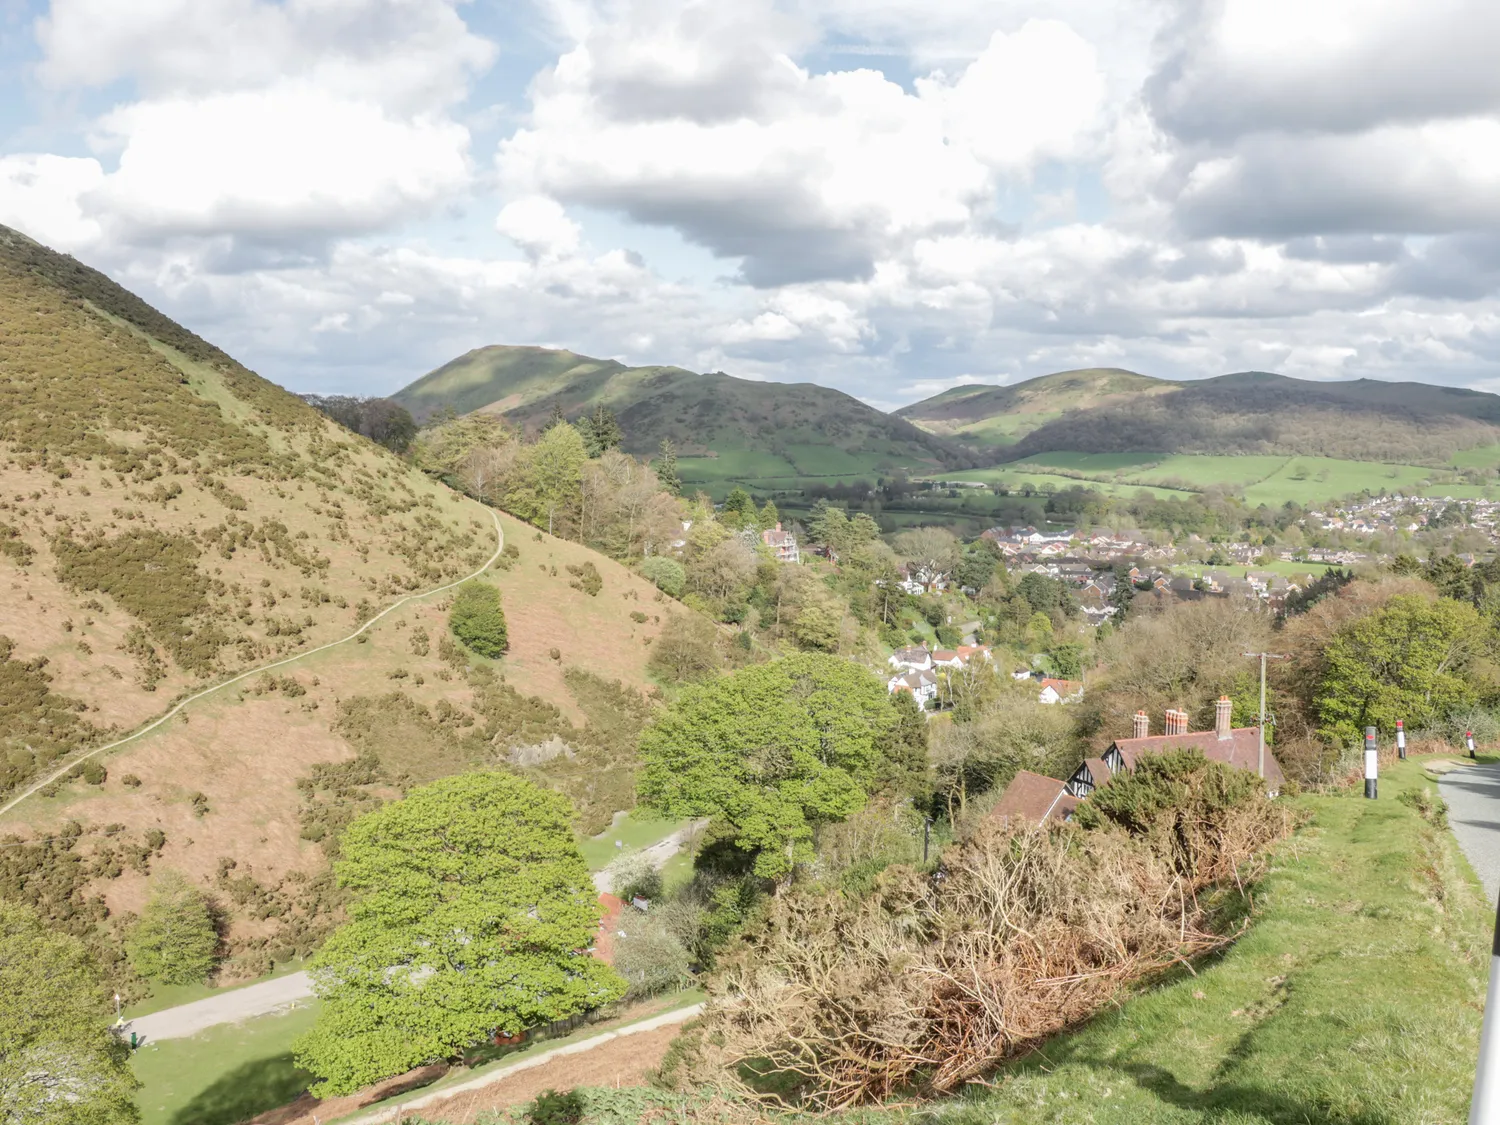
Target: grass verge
1355	998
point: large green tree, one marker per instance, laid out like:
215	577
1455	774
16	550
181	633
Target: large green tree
772	750
59	1065
174	940
1412	659
473	912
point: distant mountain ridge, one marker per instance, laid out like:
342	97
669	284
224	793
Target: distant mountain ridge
1249	412
704	415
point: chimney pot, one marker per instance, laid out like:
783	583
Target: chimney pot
1141	727
1222	711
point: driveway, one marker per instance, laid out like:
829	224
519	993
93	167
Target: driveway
1473	796
229	1007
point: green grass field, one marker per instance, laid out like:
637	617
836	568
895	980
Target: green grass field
223	1075
1355	998
1269	480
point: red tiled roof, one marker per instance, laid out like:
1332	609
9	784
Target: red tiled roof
609	922
1034	797
1062	687
1099	770
1239	749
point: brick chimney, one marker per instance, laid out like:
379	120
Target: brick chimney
1222	710
1141	727
1176	721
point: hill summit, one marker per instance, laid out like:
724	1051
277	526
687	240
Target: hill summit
710	415
1249	412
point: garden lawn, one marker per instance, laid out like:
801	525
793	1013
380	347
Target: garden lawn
1355	998
634	830
222	1075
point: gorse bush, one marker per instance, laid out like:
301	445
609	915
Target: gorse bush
478	620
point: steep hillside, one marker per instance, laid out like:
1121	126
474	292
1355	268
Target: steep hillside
988	416
750	428
169	520
1258	412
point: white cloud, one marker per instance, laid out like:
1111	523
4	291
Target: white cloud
41	194
280	164
801	175
539	226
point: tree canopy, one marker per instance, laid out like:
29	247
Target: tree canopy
473	912
478	619
772	750
1412	659
59	1065
174	940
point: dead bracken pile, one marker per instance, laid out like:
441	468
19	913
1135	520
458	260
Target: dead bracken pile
934	979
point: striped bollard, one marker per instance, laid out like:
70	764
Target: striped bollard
1484	1109
1469	741
1400	740
1372	763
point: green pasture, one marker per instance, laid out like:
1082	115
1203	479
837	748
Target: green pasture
225	1074
634	831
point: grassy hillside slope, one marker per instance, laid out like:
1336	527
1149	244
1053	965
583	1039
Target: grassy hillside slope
751	429
1253	412
988	416
169	519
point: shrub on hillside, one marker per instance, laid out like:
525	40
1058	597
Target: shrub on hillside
634	876
687	649
649	956
478	620
667	574
174	940
586	577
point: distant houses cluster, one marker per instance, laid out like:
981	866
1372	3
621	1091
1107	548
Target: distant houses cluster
917	669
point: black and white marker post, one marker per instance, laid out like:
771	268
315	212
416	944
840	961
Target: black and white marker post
1485	1107
1400	740
1372	763
1469	741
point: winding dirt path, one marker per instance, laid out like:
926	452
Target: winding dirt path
154	723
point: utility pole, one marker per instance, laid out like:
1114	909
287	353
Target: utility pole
1262	718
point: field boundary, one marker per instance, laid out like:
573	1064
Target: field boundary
150	726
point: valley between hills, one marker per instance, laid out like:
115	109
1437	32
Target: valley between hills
551	698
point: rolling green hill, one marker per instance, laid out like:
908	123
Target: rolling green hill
723	427
1251	412
996	417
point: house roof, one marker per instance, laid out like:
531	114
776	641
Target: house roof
911	681
943	654
1063	688
775	537
1035	797
1099	770
1239	749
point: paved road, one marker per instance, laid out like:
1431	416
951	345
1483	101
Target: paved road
228	1007
1473	796
284	992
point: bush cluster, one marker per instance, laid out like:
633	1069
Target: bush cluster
478	620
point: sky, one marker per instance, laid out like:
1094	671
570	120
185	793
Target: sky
889	197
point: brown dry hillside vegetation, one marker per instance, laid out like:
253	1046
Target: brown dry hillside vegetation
168	518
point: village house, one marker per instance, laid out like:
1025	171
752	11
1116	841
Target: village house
782	543
922	683
1040	798
915	658
1059	691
